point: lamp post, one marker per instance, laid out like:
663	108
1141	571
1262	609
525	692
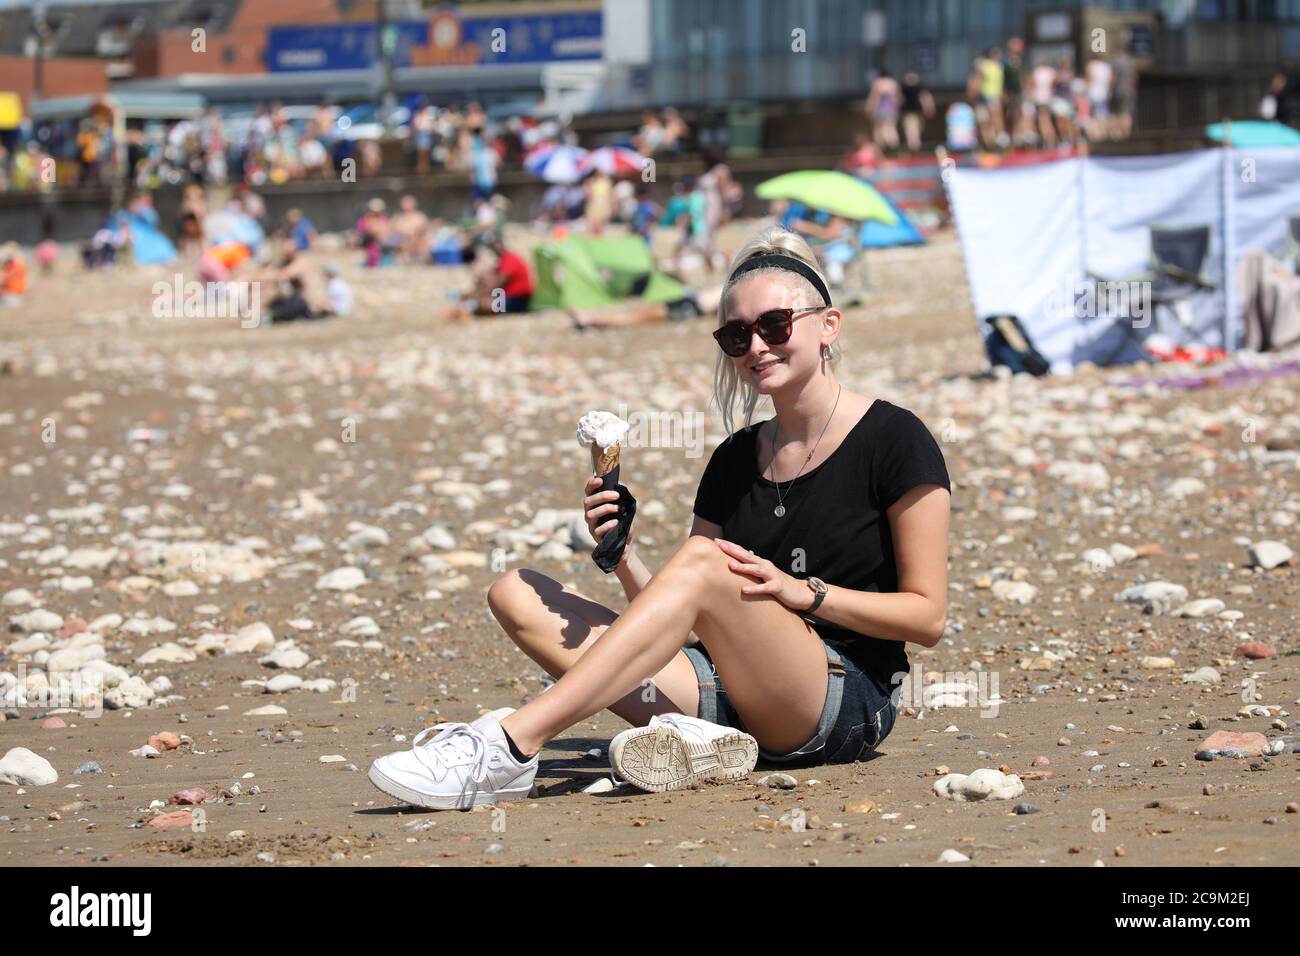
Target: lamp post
386	38
40	29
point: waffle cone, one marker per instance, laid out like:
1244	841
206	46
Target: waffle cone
604	460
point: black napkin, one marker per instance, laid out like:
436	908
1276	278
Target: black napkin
609	550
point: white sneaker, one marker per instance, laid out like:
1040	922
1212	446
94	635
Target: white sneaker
462	766
676	751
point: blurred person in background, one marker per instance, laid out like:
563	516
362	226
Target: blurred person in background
1019	112
917	106
650	136
423	133
1042	83
298	229
339	299
1100	80
676	132
503	287
13	275
863	158
990	81
882	107
483	162
600	201
1063	109
372	231
410	229
1124	94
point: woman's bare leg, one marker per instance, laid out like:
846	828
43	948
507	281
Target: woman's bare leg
771	662
555	626
631	313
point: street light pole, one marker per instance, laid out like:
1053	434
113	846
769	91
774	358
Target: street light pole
40	27
388	95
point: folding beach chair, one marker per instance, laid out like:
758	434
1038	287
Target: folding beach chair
1176	281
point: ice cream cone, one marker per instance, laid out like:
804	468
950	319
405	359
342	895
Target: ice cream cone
604	460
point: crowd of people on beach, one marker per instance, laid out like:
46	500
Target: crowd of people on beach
274	144
1010	101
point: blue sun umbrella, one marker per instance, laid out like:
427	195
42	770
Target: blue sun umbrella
1250	134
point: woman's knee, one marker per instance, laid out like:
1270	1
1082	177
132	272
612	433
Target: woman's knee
510	596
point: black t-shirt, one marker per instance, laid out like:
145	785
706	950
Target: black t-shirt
835	524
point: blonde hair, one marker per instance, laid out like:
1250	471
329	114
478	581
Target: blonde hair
726	380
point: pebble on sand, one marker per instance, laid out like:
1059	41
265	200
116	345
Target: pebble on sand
176	820
269	710
22	768
1270	554
341	579
1224	743
193	796
983	784
1255	650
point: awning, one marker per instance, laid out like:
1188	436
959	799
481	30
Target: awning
132	105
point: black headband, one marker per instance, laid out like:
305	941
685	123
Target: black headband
781	260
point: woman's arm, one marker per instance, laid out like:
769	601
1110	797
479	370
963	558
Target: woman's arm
916	612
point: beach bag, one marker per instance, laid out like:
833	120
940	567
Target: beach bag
1007	343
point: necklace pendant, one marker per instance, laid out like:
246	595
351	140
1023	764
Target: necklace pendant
779	511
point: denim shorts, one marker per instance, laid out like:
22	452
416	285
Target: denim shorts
856	717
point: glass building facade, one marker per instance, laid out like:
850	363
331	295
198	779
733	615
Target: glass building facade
706	51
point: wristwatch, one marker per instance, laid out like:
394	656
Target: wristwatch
818	587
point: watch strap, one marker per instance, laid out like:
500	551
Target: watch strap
819	596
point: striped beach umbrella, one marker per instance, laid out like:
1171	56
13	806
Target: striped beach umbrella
613	161
555	162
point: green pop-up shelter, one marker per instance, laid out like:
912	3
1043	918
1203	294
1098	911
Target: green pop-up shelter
585	272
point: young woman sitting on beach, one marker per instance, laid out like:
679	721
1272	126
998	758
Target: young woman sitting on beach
818	550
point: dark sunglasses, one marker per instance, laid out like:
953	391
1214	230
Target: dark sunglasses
774	327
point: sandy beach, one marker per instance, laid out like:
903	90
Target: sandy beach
329	501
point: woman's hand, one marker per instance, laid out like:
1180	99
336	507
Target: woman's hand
789	590
599	506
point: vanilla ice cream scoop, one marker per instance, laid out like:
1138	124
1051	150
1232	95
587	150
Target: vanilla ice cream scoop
603	430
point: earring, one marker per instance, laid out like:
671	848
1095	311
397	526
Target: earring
826	352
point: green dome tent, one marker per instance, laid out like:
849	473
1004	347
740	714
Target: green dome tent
585	272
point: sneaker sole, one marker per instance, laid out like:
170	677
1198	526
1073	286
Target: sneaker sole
659	758
416	799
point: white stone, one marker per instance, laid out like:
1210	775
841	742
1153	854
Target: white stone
281	683
22	768
1160	594
983	784
270	710
1205	607
251	637
129	694
1270	554
285	658
1097	559
169	653
38	620
360	627
18	597
1016	592
341	579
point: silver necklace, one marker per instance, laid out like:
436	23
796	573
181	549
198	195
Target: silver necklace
779	510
